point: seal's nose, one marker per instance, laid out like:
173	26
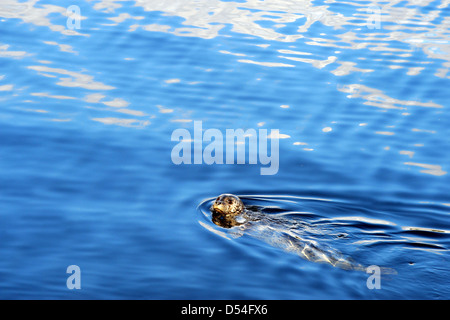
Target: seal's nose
218	205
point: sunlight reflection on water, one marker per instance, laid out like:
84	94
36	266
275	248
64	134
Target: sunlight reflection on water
358	92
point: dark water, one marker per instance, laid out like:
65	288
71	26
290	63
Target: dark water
87	114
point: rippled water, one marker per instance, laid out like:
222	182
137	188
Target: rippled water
358	90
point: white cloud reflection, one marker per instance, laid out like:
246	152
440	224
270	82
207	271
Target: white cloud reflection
6	53
432	169
134	123
29	12
6	87
407	25
377	98
62	47
73	79
407	40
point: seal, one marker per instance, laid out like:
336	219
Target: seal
225	210
292	235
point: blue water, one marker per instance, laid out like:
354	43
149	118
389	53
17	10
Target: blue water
87	113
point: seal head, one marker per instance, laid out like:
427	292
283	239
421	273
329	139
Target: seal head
228	204
226	209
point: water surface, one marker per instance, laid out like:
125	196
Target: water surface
86	120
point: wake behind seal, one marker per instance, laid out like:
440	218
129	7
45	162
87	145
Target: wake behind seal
292	235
